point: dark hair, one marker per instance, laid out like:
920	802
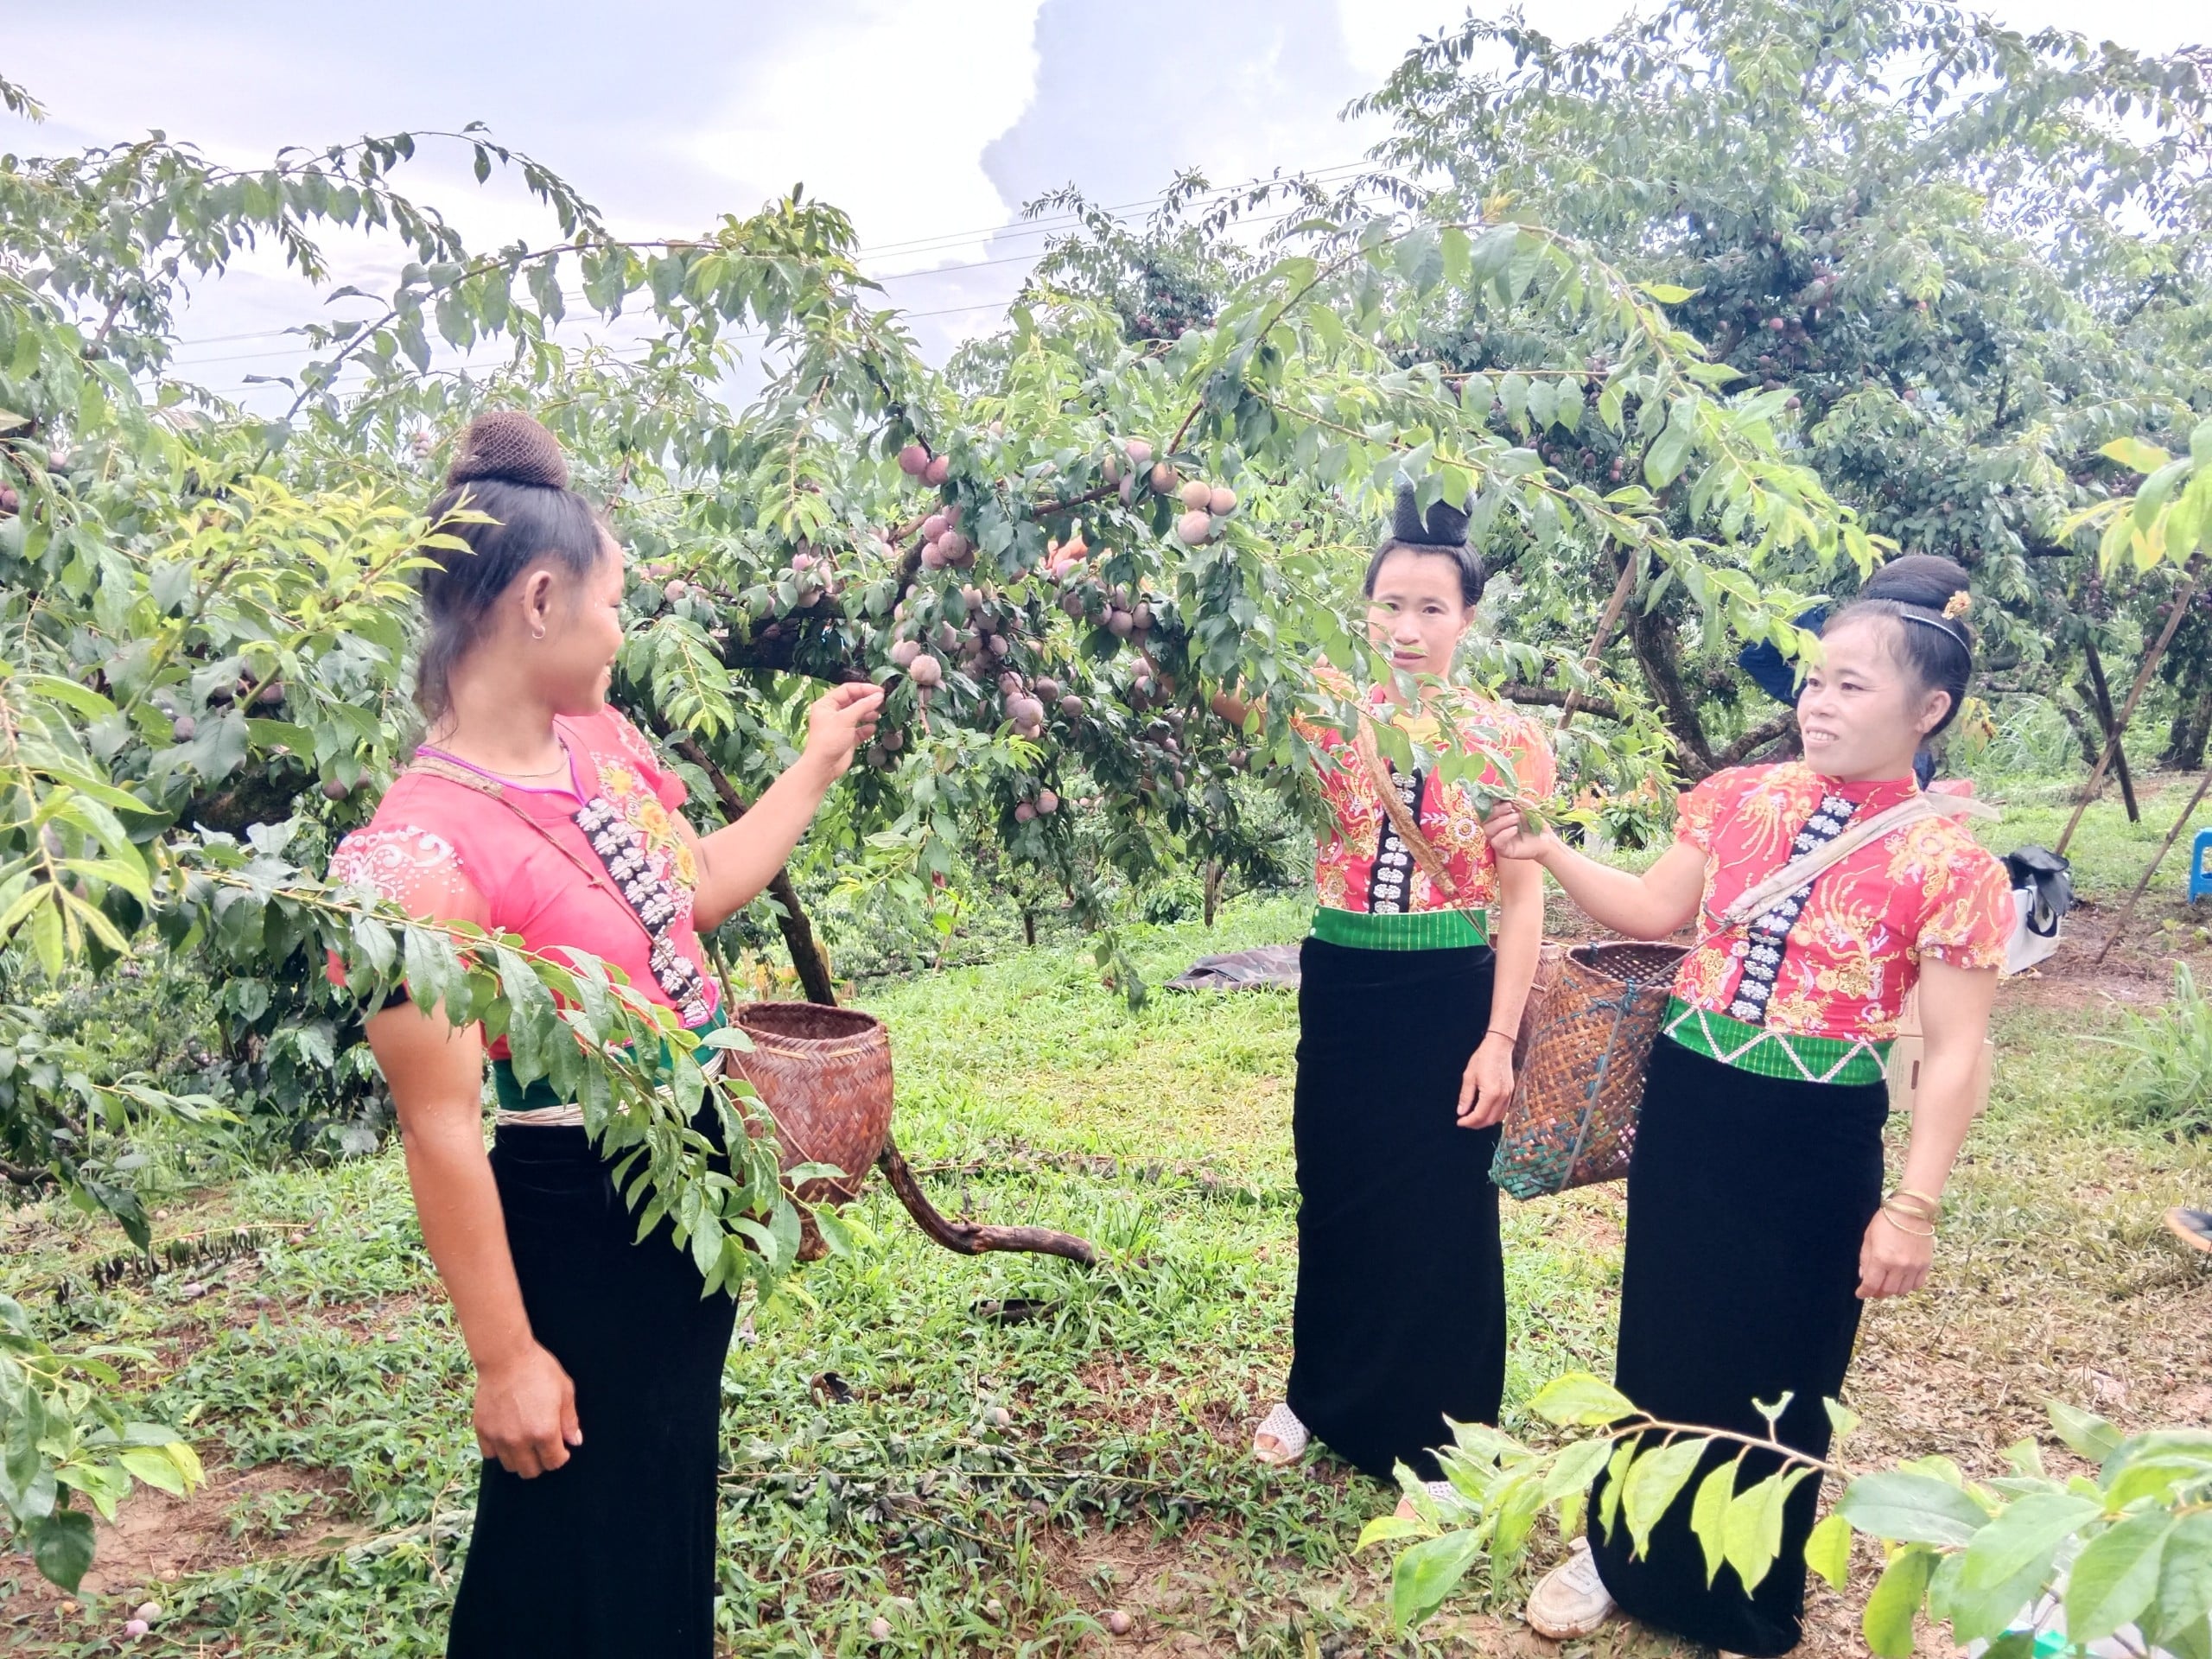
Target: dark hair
509	469
1936	649
1442	531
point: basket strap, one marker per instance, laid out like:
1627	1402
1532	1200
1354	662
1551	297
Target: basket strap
1754	902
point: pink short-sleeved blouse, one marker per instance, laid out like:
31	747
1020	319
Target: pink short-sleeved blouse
601	868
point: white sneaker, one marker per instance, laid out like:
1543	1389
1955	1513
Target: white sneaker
1280	1439
1571	1600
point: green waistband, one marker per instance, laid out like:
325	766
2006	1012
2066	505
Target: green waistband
1842	1060
1422	929
514	1097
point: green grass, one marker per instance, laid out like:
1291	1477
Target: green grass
325	1361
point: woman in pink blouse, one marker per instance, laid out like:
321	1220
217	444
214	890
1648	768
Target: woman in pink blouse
535	809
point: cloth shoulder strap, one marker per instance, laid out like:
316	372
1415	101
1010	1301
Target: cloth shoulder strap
1754	902
437	767
1402	819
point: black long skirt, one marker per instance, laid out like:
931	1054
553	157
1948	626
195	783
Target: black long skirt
1748	1198
611	1555
1400	1320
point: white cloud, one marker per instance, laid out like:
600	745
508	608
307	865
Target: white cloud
883	109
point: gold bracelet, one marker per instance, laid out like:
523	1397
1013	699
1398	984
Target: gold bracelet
1927	1199
1910	1232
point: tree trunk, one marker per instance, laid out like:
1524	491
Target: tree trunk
2192	724
1029	928
1658	653
1213	889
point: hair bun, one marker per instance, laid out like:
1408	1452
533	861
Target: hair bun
511	447
1444	525
1927	579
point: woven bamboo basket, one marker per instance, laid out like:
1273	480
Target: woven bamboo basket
823	1076
1584	1046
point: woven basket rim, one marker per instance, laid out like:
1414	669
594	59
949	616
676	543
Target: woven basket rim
867	1035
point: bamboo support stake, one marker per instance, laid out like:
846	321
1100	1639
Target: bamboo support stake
2127	910
2142	683
2106	718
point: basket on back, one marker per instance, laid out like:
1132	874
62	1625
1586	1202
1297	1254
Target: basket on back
1584	1044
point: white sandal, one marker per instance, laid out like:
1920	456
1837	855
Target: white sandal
1280	1426
1571	1600
1437	1490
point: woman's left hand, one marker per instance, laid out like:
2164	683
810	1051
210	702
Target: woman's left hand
1487	1087
1892	1262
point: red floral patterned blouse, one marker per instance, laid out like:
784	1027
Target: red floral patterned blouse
1928	890
599	865
1358	864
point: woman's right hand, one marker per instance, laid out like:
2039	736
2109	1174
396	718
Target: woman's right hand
526	1413
1509	836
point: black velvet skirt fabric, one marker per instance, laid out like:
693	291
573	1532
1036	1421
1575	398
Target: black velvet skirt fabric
1748	1197
611	1555
1400	1320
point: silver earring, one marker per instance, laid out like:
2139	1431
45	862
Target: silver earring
538	634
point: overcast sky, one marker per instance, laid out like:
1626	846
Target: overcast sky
929	121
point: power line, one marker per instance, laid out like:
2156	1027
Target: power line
911	276
1044	226
946	311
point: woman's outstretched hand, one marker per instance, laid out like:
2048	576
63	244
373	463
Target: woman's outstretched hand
1508	830
838	723
526	1413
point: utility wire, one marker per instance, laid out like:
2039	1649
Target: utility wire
1023	228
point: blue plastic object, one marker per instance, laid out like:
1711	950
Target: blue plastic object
2200	866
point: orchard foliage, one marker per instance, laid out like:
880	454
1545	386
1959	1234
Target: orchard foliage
1157	480
2127	1551
1967	259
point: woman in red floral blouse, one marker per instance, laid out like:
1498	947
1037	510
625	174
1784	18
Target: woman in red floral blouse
1757	1223
1405	1022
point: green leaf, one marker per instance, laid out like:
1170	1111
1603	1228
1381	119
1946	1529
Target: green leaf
1827	1550
1896	1602
1388	1528
2185	1593
1429	1571
1609	1497
1754	1526
1576	1467
2115	1576
2135	454
157	1468
1667	293
1578	1398
2084	1432
1709	1517
1654	1480
1909	1509
1663	462
2028	1529
62	1545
